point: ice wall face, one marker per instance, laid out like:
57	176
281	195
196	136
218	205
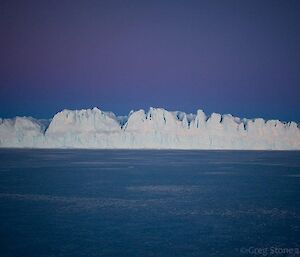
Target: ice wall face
157	128
21	132
91	128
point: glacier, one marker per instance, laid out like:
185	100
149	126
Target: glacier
155	129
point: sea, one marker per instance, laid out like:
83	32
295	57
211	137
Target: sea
156	203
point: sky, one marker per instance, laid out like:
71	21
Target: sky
238	57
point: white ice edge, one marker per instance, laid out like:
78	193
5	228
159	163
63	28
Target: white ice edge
155	129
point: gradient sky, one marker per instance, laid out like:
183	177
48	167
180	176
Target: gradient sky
239	57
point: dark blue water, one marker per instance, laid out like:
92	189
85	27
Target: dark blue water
148	203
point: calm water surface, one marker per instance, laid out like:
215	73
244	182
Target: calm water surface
148	203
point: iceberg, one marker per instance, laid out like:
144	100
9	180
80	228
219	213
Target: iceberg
155	129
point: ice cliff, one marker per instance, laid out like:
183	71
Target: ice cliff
157	128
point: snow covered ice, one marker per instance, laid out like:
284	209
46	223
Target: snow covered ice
156	129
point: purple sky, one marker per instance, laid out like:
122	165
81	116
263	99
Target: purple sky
239	57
